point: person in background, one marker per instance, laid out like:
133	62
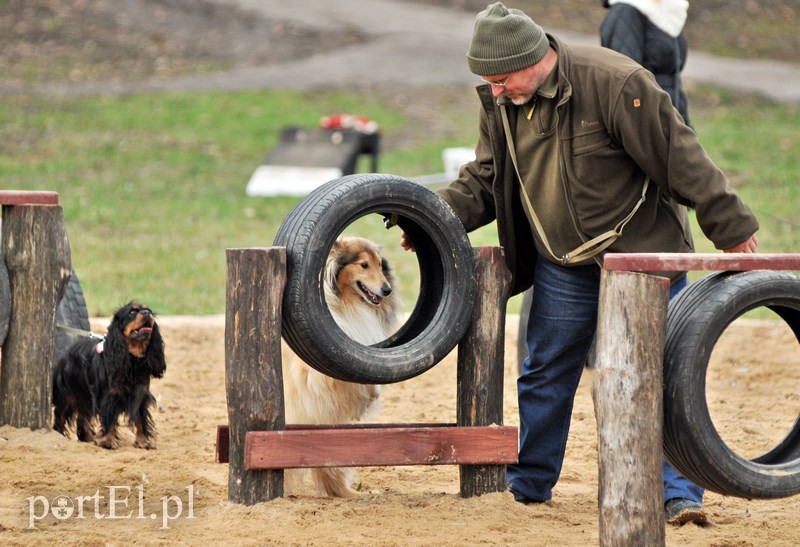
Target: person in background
651	33
580	152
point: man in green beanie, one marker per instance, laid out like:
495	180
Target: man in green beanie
580	152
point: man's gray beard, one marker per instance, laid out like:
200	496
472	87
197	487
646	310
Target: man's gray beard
519	101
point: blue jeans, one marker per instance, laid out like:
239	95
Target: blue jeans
561	327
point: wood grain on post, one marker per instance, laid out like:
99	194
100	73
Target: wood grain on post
36	253
480	366
627	393
253	377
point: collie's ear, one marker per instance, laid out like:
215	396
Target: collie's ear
156	362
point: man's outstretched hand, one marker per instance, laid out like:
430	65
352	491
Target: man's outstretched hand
749	246
405	243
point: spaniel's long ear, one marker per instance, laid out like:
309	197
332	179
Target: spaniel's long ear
115	350
156	362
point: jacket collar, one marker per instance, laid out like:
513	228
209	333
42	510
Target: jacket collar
563	66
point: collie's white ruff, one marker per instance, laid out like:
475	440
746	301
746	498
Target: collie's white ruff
361	295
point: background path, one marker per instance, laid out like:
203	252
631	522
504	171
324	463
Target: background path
411	45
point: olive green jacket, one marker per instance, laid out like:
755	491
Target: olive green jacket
615	126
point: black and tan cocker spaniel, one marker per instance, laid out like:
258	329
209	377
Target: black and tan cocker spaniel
100	381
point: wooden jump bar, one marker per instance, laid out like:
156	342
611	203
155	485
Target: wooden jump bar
380	447
666	262
21	197
363	445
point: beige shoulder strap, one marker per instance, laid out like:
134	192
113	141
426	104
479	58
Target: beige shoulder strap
590	248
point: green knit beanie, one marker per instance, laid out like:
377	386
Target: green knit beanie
505	40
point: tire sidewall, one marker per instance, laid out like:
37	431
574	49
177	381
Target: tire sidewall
308	234
696	323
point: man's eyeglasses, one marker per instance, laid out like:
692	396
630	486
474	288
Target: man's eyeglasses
497	84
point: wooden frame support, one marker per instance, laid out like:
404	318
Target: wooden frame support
300	446
673	262
628	405
253	377
35	252
480	368
627	388
28	197
258	444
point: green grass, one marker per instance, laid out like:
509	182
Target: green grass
757	144
152	186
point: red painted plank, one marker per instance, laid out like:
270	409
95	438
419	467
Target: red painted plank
380	446
223	433
21	197
670	262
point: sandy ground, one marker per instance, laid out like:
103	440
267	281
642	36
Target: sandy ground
177	494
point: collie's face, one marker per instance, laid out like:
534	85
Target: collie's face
365	276
356	272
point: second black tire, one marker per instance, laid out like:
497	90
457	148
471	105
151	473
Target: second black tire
697	318
71	312
448	287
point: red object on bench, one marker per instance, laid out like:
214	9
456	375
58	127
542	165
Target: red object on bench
22	197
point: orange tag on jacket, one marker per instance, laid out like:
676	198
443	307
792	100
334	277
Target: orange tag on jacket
637	103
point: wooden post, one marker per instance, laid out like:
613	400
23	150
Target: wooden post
627	393
36	253
480	367
253	376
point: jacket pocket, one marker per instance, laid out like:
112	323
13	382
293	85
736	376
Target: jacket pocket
603	182
597	157
591	142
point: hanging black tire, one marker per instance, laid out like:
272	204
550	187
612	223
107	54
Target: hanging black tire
71	312
447	278
697	318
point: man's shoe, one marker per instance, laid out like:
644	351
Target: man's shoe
680	511
522	498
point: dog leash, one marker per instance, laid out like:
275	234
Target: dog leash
80	332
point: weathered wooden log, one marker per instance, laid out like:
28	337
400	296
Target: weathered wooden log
627	393
36	253
480	367
256	279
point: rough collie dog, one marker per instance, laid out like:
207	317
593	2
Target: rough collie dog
98	382
361	295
